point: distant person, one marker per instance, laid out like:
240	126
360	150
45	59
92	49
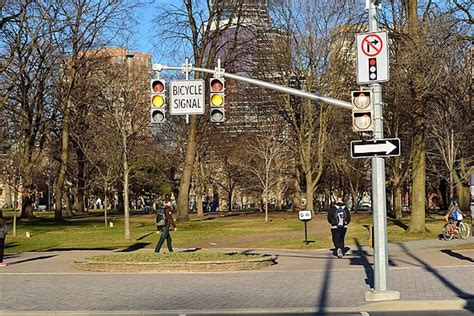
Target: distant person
164	223
213	206
98	203
339	217
454	214
3	235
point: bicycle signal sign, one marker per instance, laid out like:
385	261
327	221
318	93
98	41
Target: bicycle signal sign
372	57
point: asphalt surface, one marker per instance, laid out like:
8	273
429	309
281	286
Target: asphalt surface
432	280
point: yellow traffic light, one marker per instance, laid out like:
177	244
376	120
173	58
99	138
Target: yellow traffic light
362	111
158	101
217	99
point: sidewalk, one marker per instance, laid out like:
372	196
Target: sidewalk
428	275
436	252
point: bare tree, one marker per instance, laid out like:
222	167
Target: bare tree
264	158
310	41
124	86
80	26
199	27
27	107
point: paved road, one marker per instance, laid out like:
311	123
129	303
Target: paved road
305	282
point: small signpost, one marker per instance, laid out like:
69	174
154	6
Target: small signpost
372	57
187	97
305	216
387	147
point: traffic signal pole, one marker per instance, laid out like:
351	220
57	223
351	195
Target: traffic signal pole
380	291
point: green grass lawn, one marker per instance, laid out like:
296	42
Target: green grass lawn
213	231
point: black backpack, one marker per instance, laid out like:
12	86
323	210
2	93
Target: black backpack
340	216
160	218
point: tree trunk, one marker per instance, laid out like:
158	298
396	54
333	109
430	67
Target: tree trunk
27	183
125	189
200	211
27	207
68	209
229	199
106	196
266	210
418	198
80	180
279	194
463	194
106	187
58	215
185	181
412	8
309	192
397	201
296	207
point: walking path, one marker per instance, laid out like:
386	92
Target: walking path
430	275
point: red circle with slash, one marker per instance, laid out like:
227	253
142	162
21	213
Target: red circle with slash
367	45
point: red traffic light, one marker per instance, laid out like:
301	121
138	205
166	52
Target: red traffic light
157	86
217	85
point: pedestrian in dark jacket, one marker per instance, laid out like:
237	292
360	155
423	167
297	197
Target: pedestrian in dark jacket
165	230
339	217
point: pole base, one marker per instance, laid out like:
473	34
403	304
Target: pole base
379	295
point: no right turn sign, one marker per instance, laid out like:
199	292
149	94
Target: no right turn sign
372	57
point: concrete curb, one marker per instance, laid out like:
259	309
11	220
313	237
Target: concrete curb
393	306
418	305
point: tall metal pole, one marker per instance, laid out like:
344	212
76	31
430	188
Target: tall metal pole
187	68
380	292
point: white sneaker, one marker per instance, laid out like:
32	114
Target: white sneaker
3	264
339	253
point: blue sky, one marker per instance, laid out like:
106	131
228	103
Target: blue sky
143	36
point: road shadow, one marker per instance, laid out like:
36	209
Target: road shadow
144	236
191	250
456	255
31	259
460	293
362	259
134	247
285	255
11	244
399	223
325	290
74	249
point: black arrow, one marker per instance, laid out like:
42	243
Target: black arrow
375	42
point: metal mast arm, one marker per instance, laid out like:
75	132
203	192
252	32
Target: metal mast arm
268	85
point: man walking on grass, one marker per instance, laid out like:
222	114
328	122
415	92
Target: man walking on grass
339	217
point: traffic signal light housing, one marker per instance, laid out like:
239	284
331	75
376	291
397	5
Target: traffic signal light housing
362	111
158	101
217	99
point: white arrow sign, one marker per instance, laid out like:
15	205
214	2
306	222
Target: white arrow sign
375	148
384	147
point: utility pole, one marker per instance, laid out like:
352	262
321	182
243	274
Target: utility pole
380	291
